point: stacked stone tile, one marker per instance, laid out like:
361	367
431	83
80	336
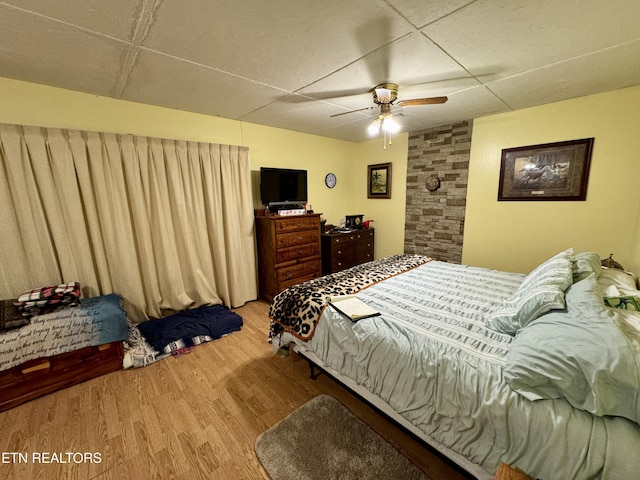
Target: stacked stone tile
434	222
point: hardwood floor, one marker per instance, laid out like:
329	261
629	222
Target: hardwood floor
188	417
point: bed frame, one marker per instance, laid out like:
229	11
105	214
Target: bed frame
504	472
44	375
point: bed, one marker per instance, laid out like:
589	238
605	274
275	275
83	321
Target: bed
488	367
67	346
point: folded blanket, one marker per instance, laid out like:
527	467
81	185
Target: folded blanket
10	316
46	299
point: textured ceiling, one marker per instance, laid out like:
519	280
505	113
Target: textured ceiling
293	63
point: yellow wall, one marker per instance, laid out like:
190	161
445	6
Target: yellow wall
516	236
388	214
31	104
507	235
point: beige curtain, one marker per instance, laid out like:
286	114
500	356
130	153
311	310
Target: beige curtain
167	224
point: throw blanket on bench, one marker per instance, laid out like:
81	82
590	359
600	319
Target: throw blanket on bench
96	321
297	309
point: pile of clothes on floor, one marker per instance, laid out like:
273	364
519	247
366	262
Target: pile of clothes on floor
177	334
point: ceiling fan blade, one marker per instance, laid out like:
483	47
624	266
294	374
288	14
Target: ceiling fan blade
352	111
423	101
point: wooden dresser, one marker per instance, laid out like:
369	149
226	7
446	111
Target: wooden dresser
344	250
288	252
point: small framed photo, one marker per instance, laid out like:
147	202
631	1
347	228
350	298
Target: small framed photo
551	171
379	180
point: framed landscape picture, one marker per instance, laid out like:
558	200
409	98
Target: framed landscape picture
379	180
551	171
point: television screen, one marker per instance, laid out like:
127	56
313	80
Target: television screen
283	186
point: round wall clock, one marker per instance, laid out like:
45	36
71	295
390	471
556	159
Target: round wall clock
432	183
330	180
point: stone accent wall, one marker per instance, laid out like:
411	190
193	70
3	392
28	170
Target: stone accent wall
434	224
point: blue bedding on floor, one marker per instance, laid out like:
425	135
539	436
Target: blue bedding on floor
212	321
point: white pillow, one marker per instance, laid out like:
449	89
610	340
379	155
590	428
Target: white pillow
623	281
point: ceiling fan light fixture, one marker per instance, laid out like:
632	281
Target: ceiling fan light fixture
383	95
374	128
390	125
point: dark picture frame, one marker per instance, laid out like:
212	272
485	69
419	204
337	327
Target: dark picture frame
379	180
550	171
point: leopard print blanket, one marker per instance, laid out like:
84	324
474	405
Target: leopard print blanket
297	309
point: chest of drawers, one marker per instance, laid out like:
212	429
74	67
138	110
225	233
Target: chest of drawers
288	252
344	250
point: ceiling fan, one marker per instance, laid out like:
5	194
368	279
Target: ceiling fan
385	96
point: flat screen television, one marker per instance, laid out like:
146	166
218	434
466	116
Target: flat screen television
283	186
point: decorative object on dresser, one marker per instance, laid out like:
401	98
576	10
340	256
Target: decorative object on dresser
344	250
353	222
288	251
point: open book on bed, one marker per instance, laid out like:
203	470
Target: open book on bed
352	307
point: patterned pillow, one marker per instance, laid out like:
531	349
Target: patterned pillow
541	291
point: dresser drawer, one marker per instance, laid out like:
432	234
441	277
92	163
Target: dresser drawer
366	235
297	252
293	274
342	240
285	240
296	223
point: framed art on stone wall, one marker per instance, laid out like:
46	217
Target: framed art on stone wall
379	180
551	171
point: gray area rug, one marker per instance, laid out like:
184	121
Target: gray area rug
324	440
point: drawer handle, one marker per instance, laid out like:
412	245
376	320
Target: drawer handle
287	274
339	252
300	251
299	237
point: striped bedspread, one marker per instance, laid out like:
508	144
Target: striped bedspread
448	302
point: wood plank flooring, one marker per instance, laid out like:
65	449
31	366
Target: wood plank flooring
191	417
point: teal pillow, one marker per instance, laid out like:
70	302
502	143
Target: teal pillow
541	291
580	354
584	264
